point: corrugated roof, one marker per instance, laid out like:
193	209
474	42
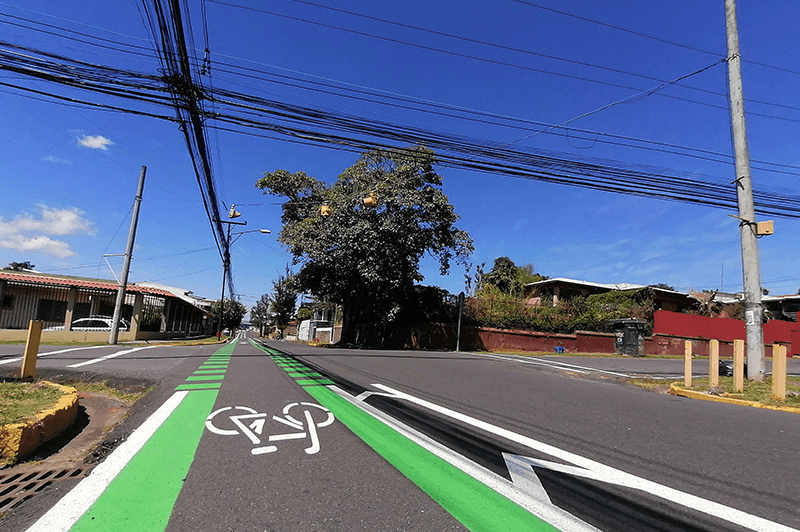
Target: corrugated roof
617	286
58	280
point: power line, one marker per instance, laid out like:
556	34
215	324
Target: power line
644	35
495	61
315	126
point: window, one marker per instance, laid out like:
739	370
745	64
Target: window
51	310
7	303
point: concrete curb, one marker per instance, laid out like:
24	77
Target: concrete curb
21	439
674	389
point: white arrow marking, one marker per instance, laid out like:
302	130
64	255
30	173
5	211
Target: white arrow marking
588	468
524	477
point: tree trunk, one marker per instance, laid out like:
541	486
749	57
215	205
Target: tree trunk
349	322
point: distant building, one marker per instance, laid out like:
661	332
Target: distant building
59	300
561	288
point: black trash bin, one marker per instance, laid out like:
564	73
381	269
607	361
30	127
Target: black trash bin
629	338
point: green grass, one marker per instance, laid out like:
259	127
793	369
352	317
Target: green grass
759	392
22	400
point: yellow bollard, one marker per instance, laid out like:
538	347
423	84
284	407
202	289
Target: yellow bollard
713	363
687	363
31	350
738	365
779	372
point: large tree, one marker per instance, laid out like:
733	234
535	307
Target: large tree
365	255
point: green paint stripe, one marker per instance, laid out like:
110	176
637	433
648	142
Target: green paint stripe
199	386
209	371
311	382
309	374
474	504
205	378
142	496
210	366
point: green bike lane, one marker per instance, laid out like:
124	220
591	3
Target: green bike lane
260	465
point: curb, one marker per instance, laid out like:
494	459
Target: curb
21	439
674	389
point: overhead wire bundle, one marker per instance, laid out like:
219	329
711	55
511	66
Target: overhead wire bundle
271	118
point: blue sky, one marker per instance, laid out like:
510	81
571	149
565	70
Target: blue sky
69	174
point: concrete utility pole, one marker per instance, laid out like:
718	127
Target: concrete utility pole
747	219
123	283
226	262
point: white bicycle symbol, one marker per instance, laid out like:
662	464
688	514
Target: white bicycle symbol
252	423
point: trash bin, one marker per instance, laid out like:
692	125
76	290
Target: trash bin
629	337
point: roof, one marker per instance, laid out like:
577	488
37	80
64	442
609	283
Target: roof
76	282
617	286
181	293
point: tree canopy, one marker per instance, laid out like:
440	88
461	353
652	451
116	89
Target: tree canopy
283	299
367	257
509	278
260	315
232	313
20	266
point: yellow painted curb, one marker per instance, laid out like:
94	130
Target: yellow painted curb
674	389
21	439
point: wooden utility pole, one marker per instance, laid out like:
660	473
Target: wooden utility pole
126	266
747	219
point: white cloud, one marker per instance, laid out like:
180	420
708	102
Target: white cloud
95	142
29	233
37	244
54	159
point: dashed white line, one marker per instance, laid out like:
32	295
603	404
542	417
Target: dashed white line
40	355
112	355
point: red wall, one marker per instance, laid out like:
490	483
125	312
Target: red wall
725	329
671	330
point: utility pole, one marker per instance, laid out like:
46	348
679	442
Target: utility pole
226	261
126	266
747	220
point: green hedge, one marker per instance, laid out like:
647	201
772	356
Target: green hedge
490	308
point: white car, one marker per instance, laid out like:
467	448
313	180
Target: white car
94	323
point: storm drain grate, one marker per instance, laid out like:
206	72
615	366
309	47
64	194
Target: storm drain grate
18	486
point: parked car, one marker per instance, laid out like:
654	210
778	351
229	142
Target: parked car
94	323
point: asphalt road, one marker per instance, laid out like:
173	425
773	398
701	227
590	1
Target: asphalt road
251	445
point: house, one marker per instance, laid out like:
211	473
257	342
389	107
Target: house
59	300
562	288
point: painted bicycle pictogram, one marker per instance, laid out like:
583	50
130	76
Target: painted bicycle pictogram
251	424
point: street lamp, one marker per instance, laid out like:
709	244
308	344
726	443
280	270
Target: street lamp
226	261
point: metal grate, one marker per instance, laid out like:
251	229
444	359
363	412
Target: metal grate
18	485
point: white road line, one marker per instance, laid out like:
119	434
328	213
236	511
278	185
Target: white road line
112	355
40	355
598	471
74	504
554	515
548	363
